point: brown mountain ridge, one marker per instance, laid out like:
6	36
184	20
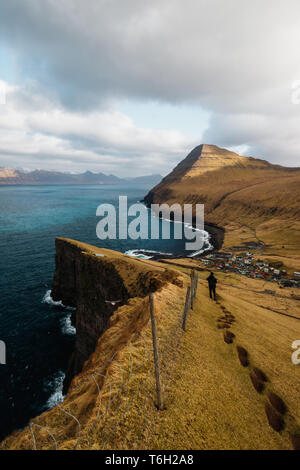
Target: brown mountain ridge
253	200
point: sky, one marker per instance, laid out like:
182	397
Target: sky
130	87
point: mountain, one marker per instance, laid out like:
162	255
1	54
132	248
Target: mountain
206	158
12	176
6	173
254	201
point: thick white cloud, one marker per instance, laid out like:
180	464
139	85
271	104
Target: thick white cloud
236	59
36	133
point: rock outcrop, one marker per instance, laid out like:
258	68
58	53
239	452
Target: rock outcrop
96	282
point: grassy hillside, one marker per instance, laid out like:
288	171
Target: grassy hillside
210	400
252	199
221	407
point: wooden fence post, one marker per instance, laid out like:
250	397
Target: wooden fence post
192	291
196	285
156	354
186	307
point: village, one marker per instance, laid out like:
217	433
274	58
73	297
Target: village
248	265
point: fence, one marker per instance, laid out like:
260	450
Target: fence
116	406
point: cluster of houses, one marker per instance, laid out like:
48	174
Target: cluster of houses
246	264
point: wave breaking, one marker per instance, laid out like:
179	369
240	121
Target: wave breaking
47	299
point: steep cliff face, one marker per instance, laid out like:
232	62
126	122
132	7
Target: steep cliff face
96	286
113	354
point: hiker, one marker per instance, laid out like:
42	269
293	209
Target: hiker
212	281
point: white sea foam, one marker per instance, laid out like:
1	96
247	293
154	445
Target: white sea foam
195	253
151	253
205	234
208	247
47	299
66	326
57	396
137	254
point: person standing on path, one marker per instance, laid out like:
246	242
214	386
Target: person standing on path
212	281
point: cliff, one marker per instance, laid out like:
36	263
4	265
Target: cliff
254	201
97	286
107	337
211	401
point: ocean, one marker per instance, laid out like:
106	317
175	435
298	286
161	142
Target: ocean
37	332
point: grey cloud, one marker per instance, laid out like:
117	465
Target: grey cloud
197	50
38	133
236	59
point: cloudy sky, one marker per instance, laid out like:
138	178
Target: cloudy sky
130	87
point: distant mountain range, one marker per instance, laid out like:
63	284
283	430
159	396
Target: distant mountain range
12	176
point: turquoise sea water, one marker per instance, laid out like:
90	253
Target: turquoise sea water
37	333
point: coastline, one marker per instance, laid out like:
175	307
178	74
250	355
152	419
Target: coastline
216	233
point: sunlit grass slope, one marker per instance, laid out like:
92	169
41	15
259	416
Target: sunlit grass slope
210	401
252	199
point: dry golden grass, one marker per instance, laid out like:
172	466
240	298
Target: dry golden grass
210	401
221	406
120	360
213	404
252	199
267	336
